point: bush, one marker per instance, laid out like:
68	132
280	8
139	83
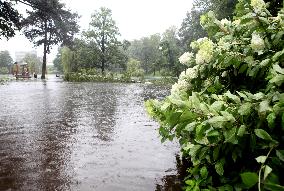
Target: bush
4	70
227	108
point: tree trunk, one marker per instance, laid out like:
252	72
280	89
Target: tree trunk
103	55
44	52
103	49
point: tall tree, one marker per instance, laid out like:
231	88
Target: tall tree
171	49
146	50
104	32
50	24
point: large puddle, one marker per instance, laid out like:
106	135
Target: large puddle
56	135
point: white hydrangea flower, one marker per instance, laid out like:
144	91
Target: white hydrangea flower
205	52
182	75
225	22
237	22
258	5
189	74
181	85
203	56
257	43
192	72
186	58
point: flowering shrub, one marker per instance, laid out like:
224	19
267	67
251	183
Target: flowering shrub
227	108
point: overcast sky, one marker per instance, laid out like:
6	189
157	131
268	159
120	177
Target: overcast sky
134	18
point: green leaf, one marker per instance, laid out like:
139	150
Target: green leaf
230	136
216	153
243	68
194	151
228	116
280	154
199	131
264	107
267	171
261	159
241	130
233	97
217	119
264	62
165	106
245	109
190	127
277	37
277	79
271	119
219	167
278	69
258	96
249	179
217	105
277	55
204	172
262	134
187	115
225	188
212	133
273	187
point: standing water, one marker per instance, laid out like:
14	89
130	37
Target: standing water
56	135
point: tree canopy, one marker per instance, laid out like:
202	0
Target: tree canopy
103	32
9	19
49	24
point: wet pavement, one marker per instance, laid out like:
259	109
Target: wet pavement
56	135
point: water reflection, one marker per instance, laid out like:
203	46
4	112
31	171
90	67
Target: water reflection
81	136
174	180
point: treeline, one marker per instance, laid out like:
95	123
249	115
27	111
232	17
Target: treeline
47	23
99	48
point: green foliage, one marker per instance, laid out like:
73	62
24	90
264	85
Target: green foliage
103	33
226	110
191	30
134	68
34	63
4	70
92	75
67	59
5	62
49	24
9	19
146	50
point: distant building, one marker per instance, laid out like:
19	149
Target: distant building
20	55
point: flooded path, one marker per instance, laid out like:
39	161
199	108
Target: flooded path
56	135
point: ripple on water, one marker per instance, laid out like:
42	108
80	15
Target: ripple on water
82	136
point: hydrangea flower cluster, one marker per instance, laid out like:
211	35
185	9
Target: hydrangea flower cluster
181	85
257	43
186	58
225	22
205	52
189	74
258	5
183	82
